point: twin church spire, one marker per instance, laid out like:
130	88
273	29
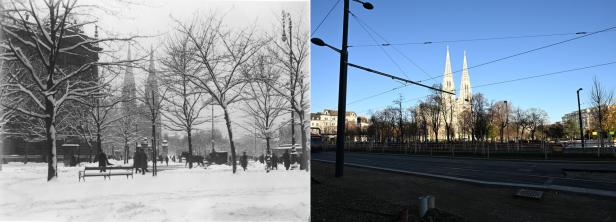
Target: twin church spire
448	82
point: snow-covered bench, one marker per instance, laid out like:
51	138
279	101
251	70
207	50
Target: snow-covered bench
110	171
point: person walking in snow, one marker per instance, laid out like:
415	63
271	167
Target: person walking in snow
244	161
167	160
286	159
143	162
275	162
137	161
103	161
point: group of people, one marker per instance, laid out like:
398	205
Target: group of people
140	161
272	161
166	159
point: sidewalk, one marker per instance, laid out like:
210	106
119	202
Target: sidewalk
386	193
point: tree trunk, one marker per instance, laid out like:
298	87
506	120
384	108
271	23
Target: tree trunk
305	152
189	158
228	122
52	161
154	156
99	142
267	142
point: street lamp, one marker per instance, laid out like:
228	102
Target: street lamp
505	123
580	117
342	86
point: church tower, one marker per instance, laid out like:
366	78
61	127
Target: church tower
129	90
465	84
448	84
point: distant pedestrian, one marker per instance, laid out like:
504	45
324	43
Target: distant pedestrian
274	162
137	161
167	160
173	158
103	161
143	163
244	161
286	159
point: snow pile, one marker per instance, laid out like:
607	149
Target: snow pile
176	194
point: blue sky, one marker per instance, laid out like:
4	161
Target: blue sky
420	21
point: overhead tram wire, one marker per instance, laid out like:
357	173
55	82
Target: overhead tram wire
546	74
323	20
361	22
505	81
382	49
470	40
517	54
525	52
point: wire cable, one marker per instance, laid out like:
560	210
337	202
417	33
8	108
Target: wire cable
382	49
469	40
500	82
503	58
525	52
327	15
361	22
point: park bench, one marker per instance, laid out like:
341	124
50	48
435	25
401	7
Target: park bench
110	171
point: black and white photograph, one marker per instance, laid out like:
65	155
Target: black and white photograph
134	110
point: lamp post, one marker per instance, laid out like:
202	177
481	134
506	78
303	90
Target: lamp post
285	16
580	117
504	124
342	85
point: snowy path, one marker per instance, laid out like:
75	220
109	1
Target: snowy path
176	194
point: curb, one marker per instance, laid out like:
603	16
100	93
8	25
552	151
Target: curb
497	159
604	193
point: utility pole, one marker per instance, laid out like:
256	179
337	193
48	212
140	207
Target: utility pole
580	117
342	88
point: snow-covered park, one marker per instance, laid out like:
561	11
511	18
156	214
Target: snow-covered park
175	194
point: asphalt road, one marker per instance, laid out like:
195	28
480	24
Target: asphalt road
504	171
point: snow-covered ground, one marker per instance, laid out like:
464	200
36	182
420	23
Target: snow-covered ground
176	194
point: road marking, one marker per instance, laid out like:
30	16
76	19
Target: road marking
521	185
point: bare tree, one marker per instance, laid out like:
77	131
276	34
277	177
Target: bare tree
400	117
185	100
465	123
264	104
447	111
499	114
127	130
48	83
423	121
601	100
435	107
480	117
536	118
224	54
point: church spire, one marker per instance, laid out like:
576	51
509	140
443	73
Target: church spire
447	84
465	85
129	91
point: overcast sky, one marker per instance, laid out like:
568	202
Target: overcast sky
157	18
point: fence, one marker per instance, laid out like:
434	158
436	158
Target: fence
483	149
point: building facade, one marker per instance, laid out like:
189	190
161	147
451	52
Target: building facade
326	124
